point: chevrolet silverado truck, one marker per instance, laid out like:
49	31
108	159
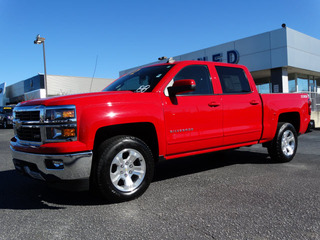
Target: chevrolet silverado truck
111	140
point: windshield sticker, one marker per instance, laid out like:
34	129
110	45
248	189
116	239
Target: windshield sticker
159	75
143	88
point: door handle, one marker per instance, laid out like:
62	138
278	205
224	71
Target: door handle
214	104
254	102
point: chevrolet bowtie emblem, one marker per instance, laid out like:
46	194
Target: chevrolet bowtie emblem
18	124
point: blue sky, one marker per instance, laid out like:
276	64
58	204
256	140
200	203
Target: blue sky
123	34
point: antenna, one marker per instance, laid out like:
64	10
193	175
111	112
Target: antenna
94	72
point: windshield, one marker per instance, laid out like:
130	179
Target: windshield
141	80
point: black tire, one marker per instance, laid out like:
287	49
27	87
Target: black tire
285	143
124	169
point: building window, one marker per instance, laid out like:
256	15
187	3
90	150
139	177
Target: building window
292	86
302	81
317	84
263	85
292	82
312	84
264	88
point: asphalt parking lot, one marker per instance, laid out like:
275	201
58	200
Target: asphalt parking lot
235	194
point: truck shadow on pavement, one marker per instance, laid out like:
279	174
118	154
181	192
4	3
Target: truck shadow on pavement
21	193
194	164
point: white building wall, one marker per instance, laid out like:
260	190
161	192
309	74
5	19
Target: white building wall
16	89
263	51
285	81
303	51
65	85
40	93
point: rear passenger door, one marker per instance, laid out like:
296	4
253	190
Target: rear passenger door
242	107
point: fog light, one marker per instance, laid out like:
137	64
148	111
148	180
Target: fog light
68	132
58	133
54	164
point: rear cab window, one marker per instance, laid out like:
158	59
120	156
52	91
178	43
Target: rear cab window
233	80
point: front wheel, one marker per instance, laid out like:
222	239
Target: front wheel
125	168
284	145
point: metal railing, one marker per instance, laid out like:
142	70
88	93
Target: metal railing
315	99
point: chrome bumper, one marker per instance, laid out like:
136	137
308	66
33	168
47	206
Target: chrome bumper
53	168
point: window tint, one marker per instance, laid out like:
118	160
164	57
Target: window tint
200	74
233	80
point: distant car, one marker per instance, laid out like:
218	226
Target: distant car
6	116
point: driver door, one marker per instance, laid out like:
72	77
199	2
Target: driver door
193	120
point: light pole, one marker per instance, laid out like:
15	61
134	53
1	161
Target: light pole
40	40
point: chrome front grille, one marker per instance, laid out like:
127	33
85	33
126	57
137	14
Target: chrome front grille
28	116
33	125
29	134
27	123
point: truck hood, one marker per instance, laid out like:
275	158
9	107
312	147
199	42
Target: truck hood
80	99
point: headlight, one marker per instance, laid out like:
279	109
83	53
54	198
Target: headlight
60	133
63	123
60	114
36	125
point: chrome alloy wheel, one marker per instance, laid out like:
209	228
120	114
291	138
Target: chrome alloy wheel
288	143
127	170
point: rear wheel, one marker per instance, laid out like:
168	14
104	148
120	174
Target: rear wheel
125	168
284	145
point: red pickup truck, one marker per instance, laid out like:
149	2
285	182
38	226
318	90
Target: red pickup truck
111	140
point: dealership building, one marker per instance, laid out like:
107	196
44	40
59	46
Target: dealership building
56	85
280	61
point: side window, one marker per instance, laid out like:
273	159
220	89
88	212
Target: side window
233	80
200	74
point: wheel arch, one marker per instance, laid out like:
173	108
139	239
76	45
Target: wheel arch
145	131
291	117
